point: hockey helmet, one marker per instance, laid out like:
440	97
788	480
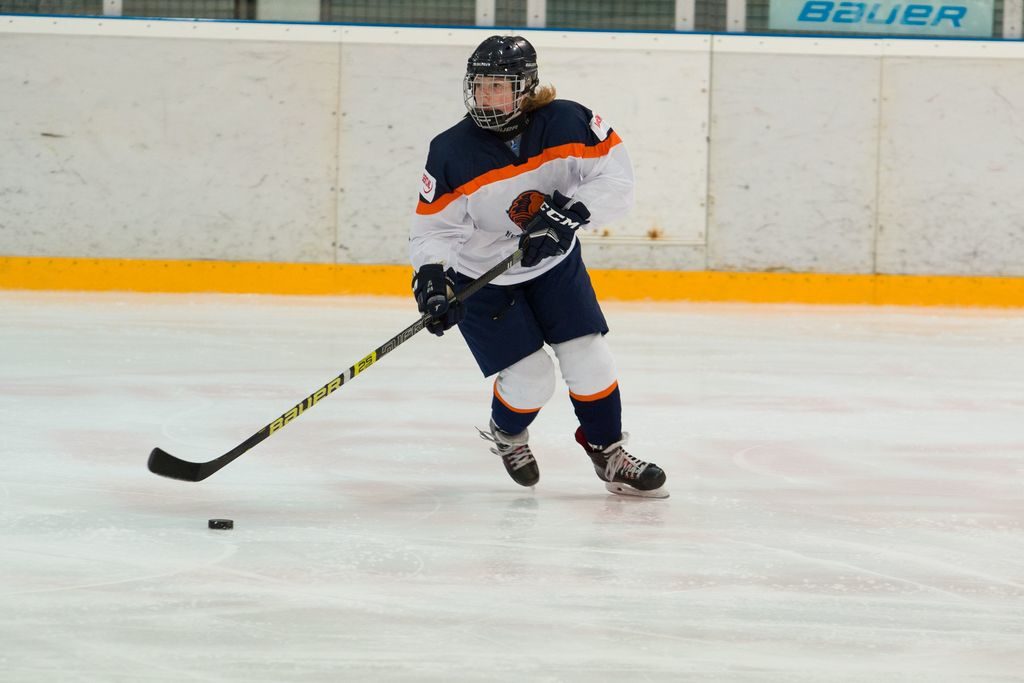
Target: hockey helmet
497	60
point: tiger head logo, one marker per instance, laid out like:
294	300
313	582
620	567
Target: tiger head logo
524	207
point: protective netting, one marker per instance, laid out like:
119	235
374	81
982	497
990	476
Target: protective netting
419	12
78	7
610	15
199	9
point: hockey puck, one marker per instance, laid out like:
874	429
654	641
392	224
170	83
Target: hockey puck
221	524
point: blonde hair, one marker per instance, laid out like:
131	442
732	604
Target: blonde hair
542	96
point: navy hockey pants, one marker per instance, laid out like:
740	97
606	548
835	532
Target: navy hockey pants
505	324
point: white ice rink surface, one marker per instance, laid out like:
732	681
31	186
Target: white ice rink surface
847	499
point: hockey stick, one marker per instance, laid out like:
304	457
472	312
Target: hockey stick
163	463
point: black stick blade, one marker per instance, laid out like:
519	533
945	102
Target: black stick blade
166	465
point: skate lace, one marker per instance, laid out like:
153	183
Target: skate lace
515	456
619	461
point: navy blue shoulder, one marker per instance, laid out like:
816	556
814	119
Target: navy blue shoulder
561	122
462	153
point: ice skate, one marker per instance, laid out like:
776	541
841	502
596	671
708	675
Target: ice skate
515	453
624	474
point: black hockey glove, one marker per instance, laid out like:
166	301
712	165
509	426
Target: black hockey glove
432	286
550	231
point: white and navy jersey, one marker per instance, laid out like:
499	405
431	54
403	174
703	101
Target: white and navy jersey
477	194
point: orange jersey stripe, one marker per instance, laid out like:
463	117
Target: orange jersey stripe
504	403
572	149
598	396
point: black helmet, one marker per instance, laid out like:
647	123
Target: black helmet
497	60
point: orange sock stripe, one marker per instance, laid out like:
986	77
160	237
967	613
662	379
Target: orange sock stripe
598	396
505	403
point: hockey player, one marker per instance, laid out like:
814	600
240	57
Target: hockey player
524	169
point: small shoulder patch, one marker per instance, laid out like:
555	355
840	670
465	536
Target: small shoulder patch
428	187
600	127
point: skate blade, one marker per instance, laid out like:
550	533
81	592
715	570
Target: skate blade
624	490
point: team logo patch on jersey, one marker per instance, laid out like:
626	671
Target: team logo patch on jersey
428	187
600	127
524	207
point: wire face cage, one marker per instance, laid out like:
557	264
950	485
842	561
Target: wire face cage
493	100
